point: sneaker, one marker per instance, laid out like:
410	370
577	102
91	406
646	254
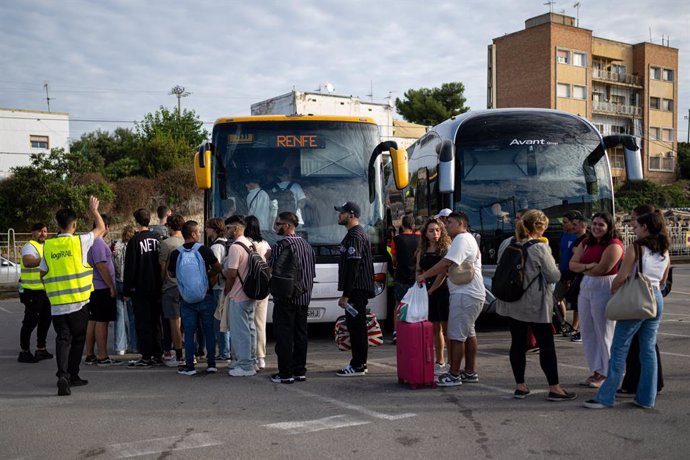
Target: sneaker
212	370
557	397
120	352
43	354
140	363
77	382
394	340
576	337
90	359
640	405
588	380
440	369
449	380
63	387
276	378
349	371
239	372
621	393
27	357
521	394
597	382
533	350
469	377
157	361
593	404
170	361
186	371
108	362
300	378
261	362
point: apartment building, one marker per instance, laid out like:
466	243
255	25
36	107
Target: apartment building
620	87
23	132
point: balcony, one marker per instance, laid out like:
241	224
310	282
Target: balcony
615	77
616	109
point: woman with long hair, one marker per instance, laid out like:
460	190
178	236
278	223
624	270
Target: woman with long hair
253	232
597	258
433	246
534	309
651	247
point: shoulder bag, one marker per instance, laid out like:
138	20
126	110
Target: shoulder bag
635	299
463	273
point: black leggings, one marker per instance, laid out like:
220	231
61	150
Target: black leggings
518	348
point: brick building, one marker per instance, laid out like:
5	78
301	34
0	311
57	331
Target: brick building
621	87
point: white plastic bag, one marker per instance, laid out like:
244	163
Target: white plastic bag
414	307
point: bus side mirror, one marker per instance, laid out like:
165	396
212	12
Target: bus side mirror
446	166
202	166
631	155
398	161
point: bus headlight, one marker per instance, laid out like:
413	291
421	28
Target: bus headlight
379	283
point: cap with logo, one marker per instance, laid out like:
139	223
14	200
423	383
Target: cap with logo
445	212
350	207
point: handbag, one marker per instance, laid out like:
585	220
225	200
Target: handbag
342	335
635	299
463	273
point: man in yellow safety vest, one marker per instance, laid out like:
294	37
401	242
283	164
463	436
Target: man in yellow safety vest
67	278
33	295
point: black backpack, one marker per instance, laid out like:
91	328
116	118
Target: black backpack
507	283
285	198
255	285
286	276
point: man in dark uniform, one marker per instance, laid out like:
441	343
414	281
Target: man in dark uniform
355	280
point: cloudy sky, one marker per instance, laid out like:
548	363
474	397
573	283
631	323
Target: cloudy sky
111	62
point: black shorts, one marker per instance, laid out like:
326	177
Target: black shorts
101	306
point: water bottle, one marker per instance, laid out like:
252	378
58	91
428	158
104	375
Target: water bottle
351	310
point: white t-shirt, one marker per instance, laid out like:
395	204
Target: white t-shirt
259	205
86	243
29	250
464	246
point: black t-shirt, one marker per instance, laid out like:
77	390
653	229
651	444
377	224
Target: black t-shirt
406	261
206	253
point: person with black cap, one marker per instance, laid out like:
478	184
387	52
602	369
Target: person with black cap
355	280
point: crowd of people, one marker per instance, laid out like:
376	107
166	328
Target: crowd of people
176	301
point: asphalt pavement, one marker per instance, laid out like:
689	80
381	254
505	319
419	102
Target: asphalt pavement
155	413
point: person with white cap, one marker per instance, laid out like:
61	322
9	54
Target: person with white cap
443	215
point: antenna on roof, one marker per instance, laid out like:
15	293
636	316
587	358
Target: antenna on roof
371	91
550	3
45	85
577	14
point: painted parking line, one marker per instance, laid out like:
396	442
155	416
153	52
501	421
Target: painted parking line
309	426
674	335
5	310
161	445
674	354
351	407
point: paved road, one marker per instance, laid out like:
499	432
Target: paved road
154	413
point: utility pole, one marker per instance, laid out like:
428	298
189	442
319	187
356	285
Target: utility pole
687	117
577	14
180	92
45	85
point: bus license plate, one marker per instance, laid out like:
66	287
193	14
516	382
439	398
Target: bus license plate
314	313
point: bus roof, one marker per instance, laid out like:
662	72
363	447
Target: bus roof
258	118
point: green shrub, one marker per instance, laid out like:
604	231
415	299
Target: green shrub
633	194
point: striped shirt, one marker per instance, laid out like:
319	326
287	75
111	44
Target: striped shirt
305	255
356	266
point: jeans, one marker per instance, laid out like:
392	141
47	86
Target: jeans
243	332
36	313
290	331
190	313
625	330
70	335
222	338
120	329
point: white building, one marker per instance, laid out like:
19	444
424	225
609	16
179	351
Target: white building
23	132
316	103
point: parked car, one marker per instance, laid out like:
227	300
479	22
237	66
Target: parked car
9	271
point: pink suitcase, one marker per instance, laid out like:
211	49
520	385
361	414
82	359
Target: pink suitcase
415	353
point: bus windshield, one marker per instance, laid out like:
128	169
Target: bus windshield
322	163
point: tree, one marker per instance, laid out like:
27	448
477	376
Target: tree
430	106
184	126
684	160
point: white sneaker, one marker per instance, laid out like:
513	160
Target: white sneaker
440	368
239	372
261	362
211	370
170	361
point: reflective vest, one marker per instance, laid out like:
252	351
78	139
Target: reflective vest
68	280
31	277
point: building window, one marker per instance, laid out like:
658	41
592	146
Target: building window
667	104
618	68
654	103
563	56
655	133
563	90
667	74
579	92
39	142
668	135
655	73
580	59
662	162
